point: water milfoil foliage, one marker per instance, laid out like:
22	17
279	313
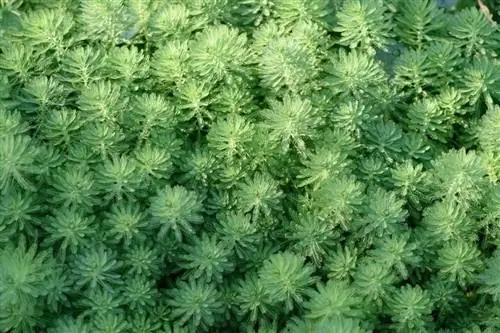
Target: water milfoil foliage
274	166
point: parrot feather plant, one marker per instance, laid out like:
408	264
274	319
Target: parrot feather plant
271	166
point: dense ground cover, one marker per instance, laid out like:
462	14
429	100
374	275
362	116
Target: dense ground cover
249	166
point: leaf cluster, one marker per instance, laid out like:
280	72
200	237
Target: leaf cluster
249	166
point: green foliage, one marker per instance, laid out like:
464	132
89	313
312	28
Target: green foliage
18	155
473	33
311	236
490	277
140	259
127	65
489	127
252	299
82	65
285	278
230	137
95	268
444	221
412	71
353	116
175	209
264	166
355	74
103	20
24	283
323	165
125	223
339	200
219	53
333	299
99	302
410	182
286	63
290	121
46	29
19	212
459	176
397	252
24	275
410	309
481	81
289	12
139	293
372	280
118	175
341	263
259	196
70	229
364	25
340	324
206	258
382	214
427	118
69	325
418	22
196	303
109	323
74	185
459	261
238	233
60	127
